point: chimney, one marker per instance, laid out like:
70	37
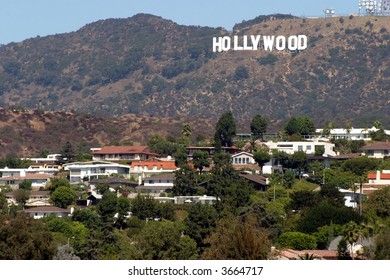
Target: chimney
378	175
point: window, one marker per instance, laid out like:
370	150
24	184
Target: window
308	148
300	148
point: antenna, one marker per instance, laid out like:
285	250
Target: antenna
369	7
384	8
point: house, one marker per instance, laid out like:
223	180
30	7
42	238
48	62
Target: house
211	150
290	254
22	172
148	168
376	180
309	147
349	134
258	182
50	161
94	198
36	198
194	199
377	150
79	171
43	211
243	158
114	182
37	180
123	153
158	183
351	198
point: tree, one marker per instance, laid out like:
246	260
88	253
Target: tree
161	145
163	240
186	130
108	207
180	156
325	213
21	196
123	210
235	239
319	150
67	153
258	125
297	241
382	245
361	165
225	183
300	126
144	207
303	199
352	233
241	73
58	182
65	252
225	130
24	238
261	157
200	222
63	197
299	161
379	202
185	181
25	185
332	195
200	159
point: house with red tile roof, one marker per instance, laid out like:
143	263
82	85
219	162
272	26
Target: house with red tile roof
144	169
123	153
376	180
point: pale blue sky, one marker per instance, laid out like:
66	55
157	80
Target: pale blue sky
23	19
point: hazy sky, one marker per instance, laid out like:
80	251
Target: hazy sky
23	19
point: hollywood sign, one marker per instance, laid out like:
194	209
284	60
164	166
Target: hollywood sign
257	42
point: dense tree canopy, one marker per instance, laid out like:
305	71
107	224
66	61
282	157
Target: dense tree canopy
24	238
225	129
258	125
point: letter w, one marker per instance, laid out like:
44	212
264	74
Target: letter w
268	42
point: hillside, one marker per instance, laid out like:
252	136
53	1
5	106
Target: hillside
26	133
146	64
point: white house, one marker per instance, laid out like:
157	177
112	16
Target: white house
95	169
48	161
36	198
243	158
158	183
308	147
349	134
22	172
43	211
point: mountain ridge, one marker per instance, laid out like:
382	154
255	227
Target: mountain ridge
147	64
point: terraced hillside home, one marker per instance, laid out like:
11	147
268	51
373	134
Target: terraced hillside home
123	153
377	150
80	171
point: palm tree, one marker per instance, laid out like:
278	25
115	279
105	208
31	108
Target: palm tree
352	233
307	257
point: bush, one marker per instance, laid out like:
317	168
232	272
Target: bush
269	59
